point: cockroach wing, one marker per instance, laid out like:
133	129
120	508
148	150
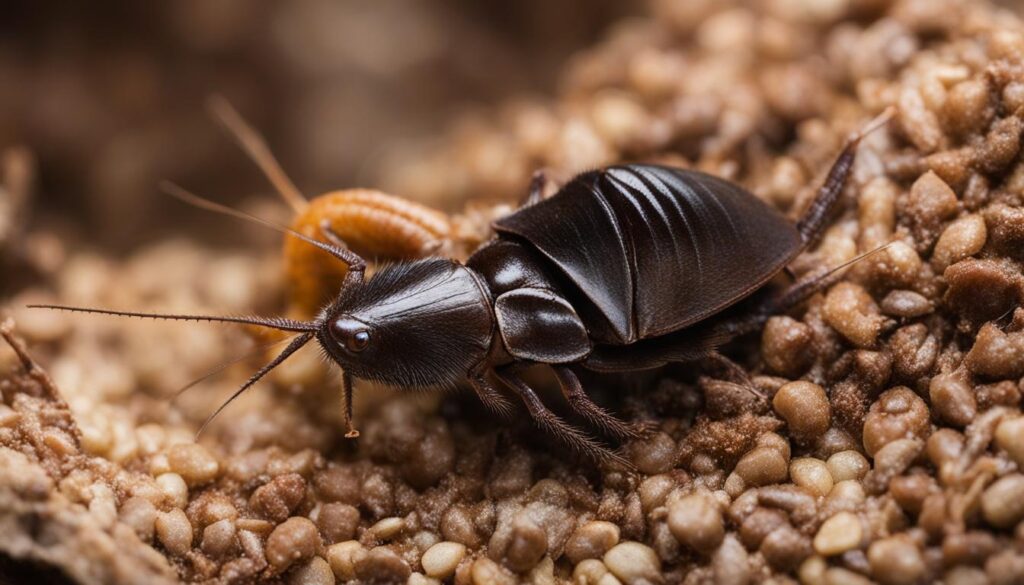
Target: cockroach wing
539	326
579	232
693	244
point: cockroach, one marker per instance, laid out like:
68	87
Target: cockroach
626	268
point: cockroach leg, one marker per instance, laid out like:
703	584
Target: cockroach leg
491	397
734	372
346	389
556	427
581	404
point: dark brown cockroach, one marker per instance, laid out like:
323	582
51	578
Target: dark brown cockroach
627	268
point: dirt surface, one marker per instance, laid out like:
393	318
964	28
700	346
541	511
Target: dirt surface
889	446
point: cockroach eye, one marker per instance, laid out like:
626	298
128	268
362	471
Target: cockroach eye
358	341
353	334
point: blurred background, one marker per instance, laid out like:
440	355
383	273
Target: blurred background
100	104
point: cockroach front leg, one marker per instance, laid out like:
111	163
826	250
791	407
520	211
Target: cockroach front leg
580	403
555	426
490	396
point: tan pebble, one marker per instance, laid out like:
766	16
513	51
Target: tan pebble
421	579
898	413
964	237
846	465
735	485
316	571
487	572
174	489
387	528
140	514
293	540
278	498
654	490
591	540
255	525
174	532
441	559
896	561
634	563
343	557
337	522
838	534
762	466
811	474
589	572
193	463
812	571
847	494
787	345
102	505
219	538
996	353
528	544
805	408
151	437
1002	504
1010	438
851	311
8	416
952	399
906	304
841	576
696	521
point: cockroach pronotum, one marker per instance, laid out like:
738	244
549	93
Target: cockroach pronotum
626	268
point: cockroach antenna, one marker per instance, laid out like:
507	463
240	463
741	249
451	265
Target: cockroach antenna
256	147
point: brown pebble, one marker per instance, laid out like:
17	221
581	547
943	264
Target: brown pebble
838	534
634	563
591	540
193	463
279	497
1010	438
846	465
337	522
219	538
293	540
174	532
981	290
851	311
968	107
906	304
653	455
315	571
997	354
952	399
805	408
896	561
343	557
964	237
1002	503
787	346
441	559
898	413
763	466
696	522
812	475
527	545
381	564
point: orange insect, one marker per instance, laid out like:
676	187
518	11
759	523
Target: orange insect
374	224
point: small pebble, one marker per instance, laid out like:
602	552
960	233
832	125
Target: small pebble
811	474
846	465
696	522
343	557
293	540
634	563
1010	438
440	560
805	408
591	540
896	561
838	534
315	571
193	463
1002	503
174	532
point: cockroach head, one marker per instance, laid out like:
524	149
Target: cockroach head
421	323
